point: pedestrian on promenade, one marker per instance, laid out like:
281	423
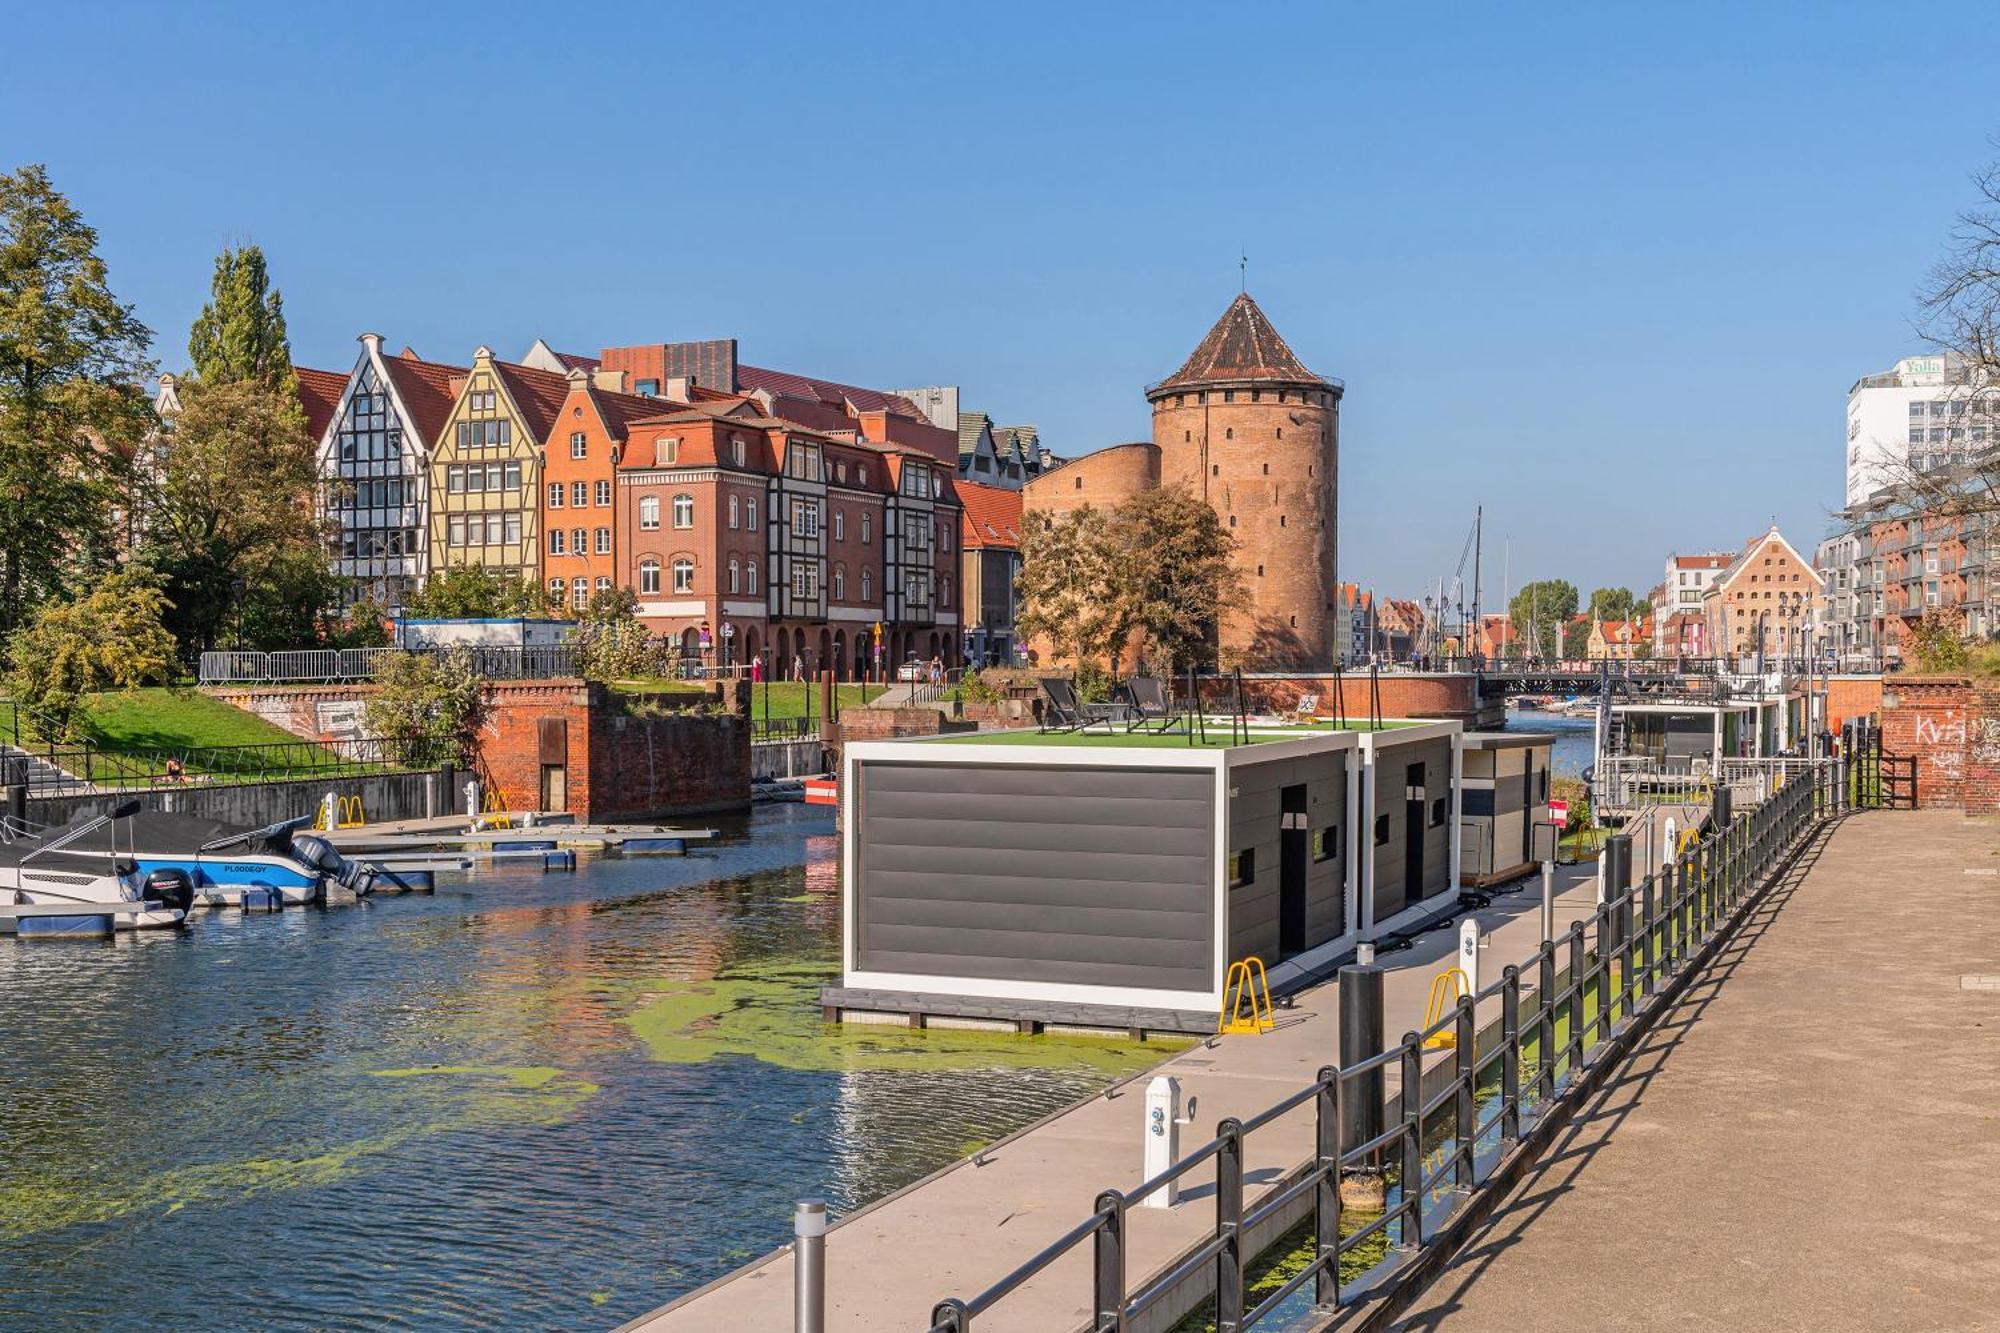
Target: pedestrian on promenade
798	666
757	669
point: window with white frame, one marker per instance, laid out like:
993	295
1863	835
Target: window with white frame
556	542
866	580
750	515
601	493
579	445
604	583
805	580
579	541
579	593
604	541
649	575
579	494
839	585
735	574
750	583
683	574
649	516
556	590
666	450
555	495
733	516
864	529
805	518
840	525
736	451
683	511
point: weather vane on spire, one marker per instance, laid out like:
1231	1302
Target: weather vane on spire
1243	271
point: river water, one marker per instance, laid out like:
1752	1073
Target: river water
1576	737
528	1101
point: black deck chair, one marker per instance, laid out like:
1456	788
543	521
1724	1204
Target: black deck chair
1147	705
1068	713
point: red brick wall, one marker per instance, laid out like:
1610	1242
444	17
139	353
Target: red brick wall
509	746
1982	750
1400	695
678	764
1930	717
1850	697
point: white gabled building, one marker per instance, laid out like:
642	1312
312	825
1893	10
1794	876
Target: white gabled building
374	457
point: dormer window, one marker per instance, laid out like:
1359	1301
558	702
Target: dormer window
666	451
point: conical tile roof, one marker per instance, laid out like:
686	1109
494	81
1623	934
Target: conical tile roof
1241	346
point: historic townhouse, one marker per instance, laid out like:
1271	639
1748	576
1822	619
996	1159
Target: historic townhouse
375	455
1764	602
586	546
485	473
990	560
749	536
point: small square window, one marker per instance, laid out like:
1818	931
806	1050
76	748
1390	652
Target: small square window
1438	809
1381	830
1242	868
1326	845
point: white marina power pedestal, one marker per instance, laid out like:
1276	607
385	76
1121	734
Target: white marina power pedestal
329	811
1164	1119
1469	945
472	799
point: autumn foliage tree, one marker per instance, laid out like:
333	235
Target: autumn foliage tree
110	636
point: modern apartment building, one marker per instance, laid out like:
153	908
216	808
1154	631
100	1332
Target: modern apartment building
1925	413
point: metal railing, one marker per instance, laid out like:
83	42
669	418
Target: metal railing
82	767
1464	1125
332	666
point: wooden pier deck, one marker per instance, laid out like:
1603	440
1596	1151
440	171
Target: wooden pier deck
958	1231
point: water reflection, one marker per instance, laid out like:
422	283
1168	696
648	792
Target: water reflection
529	1100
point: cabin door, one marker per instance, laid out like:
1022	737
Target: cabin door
1413	835
553	738
1293	853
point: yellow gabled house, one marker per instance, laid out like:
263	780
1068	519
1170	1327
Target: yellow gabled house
486	472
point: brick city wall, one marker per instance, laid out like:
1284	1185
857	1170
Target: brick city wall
1851	697
1933	718
508	750
315	712
669	764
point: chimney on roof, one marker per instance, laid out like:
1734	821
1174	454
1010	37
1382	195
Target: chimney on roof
482	353
373	342
577	377
611	381
680	388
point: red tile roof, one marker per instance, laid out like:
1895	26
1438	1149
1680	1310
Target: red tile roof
538	393
1703	561
428	390
319	394
832	392
992	515
1241	346
576	361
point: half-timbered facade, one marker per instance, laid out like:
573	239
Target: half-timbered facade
374	460
485	473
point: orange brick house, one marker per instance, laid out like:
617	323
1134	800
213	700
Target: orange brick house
1765	602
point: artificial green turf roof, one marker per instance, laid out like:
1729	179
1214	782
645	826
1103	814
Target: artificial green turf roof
1118	738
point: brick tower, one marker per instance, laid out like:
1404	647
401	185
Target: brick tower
1248	428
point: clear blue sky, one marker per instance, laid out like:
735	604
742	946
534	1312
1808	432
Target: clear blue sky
1608	269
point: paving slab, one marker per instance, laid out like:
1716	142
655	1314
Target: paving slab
959	1231
1810	1140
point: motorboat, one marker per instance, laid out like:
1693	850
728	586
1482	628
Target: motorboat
81	866
283	857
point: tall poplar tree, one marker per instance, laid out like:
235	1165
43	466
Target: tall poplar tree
241	333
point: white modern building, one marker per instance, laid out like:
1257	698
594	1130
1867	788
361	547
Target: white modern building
1917	416
1688	577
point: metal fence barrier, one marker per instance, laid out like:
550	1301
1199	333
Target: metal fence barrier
1470	1121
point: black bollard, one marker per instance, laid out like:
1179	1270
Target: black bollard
1360	1039
1617	888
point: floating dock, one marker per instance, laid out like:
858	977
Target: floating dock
453	836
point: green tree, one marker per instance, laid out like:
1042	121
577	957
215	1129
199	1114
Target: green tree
610	641
1614	604
230	517
1576	638
1936	645
1538	612
363	625
240	335
111	636
474	592
1173	574
72	358
427	707
1066	587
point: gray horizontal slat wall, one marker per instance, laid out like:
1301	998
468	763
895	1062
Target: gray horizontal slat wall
1255	824
1392	763
1010	872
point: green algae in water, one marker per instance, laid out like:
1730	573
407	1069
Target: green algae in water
770	1012
486	1097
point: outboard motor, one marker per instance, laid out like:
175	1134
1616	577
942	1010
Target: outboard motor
169	888
317	852
359	877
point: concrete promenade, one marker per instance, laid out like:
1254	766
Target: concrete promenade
957	1232
1811	1140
